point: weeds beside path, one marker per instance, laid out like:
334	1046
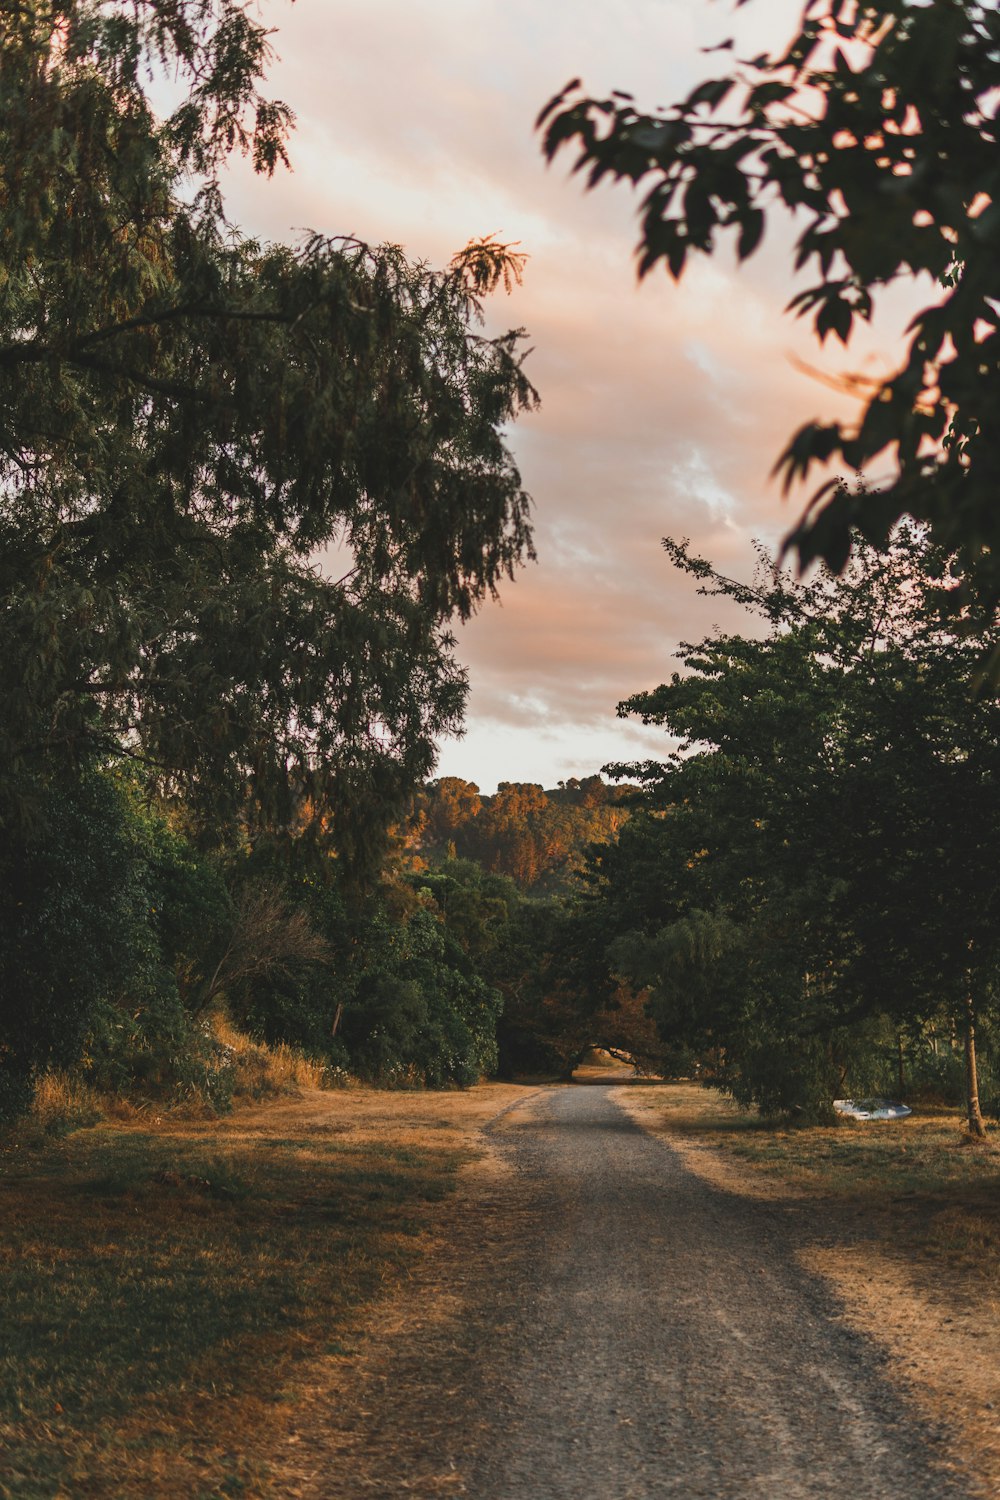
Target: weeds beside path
168	1282
904	1223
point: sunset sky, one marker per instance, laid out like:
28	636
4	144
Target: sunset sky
663	407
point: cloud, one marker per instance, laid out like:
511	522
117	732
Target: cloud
663	407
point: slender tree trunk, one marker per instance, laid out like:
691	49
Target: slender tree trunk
901	1075
571	1064
977	1127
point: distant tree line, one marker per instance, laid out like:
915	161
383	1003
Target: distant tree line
534	836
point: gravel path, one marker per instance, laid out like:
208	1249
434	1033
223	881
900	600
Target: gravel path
671	1345
604	1325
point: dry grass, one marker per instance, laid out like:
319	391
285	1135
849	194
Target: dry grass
261	1072
905	1224
167	1279
879	1166
63	1103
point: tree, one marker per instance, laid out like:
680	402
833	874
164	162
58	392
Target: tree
195	423
534	836
72	927
112	928
815	860
420	1012
877	129
244	488
560	998
442	809
267	939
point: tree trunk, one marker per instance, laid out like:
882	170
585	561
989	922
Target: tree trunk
571	1064
976	1126
901	1075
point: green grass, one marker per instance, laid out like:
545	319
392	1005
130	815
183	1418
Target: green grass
160	1291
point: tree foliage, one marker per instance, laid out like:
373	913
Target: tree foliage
877	129
813	861
243	487
514	860
403	991
535	836
72	924
112	927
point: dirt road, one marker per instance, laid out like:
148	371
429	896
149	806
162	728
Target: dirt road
604	1325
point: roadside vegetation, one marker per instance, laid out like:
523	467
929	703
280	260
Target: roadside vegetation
170	1281
812	870
805	893
915	1179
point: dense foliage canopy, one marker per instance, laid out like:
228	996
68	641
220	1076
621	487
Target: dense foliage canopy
244	491
815	861
534	835
243	487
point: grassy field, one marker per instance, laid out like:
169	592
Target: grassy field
923	1171
166	1278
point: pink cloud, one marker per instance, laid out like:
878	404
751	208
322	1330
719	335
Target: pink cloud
663	407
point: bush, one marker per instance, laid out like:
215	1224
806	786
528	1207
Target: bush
73	929
422	1015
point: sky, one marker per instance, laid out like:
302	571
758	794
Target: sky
663	406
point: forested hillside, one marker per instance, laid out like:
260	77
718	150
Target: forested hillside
536	837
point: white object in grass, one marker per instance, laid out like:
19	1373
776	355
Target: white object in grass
872	1109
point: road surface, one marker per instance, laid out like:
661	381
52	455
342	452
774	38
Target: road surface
605	1325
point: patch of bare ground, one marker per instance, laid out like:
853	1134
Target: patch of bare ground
901	1219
